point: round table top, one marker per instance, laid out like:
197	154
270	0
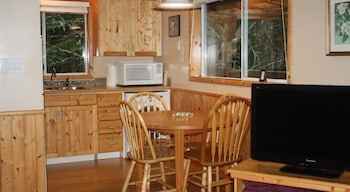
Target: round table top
168	121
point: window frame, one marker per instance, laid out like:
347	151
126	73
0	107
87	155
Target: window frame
86	9
244	80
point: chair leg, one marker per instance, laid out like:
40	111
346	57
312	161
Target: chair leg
146	178
187	165
210	179
128	177
228	188
217	178
162	170
204	178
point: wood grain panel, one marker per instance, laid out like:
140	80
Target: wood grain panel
114	33
147	27
56	137
22	153
109	100
108	113
110	142
71	130
58	100
87	99
129	26
189	100
195	44
110	127
82	123
69	100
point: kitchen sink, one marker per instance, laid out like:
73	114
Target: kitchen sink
66	88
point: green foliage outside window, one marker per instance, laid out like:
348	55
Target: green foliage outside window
65	42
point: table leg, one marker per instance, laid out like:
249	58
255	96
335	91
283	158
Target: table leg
238	185
179	158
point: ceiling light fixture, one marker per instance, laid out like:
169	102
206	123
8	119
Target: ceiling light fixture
182	4
176	5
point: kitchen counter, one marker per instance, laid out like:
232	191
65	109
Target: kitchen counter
104	89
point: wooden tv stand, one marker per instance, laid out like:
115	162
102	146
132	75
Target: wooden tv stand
267	172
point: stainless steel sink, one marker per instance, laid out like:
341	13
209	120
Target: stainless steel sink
66	88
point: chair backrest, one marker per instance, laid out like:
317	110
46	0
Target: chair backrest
228	121
147	102
136	132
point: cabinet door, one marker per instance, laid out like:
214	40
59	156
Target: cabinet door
82	126
147	28
55	131
129	26
114	28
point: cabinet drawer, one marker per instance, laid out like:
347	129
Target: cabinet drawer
110	127
108	113
110	142
69	100
109	100
58	100
86	99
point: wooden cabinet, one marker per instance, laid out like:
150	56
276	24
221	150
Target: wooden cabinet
71	130
83	123
129	27
110	134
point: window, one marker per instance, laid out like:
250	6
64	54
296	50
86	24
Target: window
242	37
65	38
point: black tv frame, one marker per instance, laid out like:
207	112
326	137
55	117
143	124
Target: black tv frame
295	164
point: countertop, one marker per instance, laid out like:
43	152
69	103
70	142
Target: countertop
104	89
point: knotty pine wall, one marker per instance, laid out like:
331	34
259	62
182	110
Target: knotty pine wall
22	152
191	100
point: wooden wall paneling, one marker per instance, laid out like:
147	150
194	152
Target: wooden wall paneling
93	29
195	44
189	100
22	154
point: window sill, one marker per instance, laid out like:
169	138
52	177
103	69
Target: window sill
71	77
233	82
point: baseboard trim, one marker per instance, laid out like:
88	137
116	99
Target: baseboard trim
109	155
80	158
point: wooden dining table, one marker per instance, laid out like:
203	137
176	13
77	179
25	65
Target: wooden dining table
168	122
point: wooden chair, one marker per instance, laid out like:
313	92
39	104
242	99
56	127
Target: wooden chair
138	139
228	122
150	102
147	102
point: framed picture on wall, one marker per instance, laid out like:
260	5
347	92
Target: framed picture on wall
338	27
174	26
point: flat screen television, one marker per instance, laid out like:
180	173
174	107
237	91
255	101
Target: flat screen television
306	127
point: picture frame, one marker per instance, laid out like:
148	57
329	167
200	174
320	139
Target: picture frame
174	26
338	27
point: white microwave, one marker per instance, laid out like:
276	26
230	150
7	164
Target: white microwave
139	73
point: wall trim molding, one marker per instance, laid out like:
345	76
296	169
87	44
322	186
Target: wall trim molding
28	112
80	158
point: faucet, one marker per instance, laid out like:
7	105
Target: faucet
53	73
67	83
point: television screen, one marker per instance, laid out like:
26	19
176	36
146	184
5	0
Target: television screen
302	125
